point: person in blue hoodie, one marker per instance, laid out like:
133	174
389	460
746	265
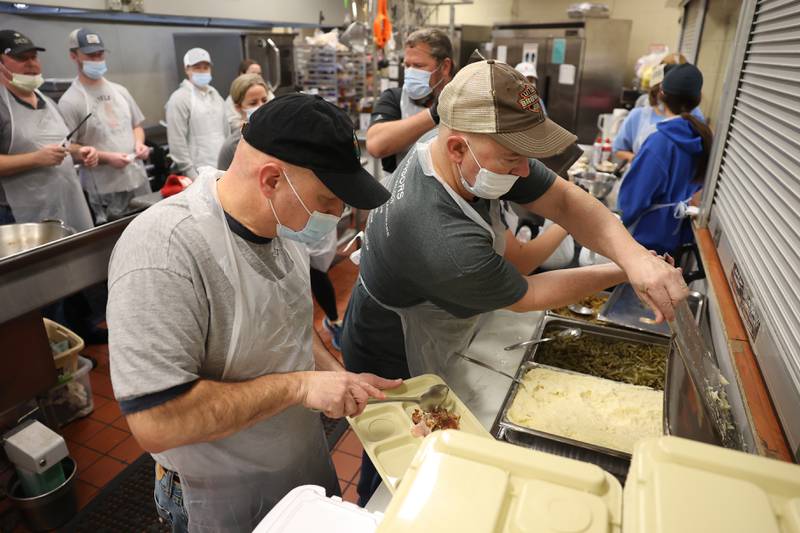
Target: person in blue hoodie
669	168
642	120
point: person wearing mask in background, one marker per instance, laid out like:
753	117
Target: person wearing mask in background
248	93
214	358
37	171
115	129
435	256
196	122
670	168
528	69
641	121
235	119
402	115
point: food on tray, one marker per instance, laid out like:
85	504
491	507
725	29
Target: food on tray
606	166
437	418
587	409
595	302
606	357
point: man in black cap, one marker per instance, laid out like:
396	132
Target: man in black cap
37	171
213	355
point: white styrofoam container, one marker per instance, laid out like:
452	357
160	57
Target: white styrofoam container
306	509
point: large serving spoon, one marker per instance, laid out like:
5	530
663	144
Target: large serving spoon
567	333
582	310
489	367
428	400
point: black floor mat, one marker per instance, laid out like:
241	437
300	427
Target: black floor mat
126	503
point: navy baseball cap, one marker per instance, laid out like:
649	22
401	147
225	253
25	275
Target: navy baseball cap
14	43
307	131
85	40
683	80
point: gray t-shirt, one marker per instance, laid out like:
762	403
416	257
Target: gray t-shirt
420	246
170	306
228	150
74	106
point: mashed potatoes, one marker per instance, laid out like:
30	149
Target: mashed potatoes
588	409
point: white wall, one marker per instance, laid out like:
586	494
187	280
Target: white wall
302	11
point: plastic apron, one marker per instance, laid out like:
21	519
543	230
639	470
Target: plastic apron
207	127
110	130
46	192
408	109
231	484
431	334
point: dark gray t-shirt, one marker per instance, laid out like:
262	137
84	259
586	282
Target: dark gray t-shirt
420	246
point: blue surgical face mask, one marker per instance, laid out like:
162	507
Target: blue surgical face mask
417	83
95	69
201	79
319	225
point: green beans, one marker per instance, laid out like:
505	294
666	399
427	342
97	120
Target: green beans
617	360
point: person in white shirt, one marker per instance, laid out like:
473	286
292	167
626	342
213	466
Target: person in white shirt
196	121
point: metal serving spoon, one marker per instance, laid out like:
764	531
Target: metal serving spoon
579	309
489	367
428	400
568	333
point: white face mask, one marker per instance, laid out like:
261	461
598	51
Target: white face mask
27	82
248	111
488	184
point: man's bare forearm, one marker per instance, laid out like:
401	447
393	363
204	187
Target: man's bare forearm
561	287
212	410
11	165
388	138
527	257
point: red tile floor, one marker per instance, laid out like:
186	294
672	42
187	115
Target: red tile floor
103	446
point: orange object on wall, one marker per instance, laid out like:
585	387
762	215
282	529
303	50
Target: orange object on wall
382	27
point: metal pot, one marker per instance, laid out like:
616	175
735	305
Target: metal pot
16	238
52	509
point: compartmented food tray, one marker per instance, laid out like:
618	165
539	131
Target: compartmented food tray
385	429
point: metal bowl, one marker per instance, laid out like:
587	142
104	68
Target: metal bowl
16	238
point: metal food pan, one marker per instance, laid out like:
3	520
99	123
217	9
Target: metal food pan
615	461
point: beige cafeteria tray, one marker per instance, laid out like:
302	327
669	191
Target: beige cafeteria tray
460	483
385	429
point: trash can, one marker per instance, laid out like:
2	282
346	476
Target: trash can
71	399
49	510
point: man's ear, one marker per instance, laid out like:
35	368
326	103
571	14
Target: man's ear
447	68
269	174
456	147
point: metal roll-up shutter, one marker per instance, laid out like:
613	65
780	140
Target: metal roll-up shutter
694	13
756	196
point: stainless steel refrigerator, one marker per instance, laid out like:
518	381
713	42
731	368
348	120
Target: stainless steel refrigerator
273	51
581	66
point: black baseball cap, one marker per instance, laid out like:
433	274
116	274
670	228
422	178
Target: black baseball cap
307	131
14	43
683	80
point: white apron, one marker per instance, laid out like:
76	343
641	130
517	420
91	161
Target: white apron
431	334
408	109
46	192
229	485
207	128
110	130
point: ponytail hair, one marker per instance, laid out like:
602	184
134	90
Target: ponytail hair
683	105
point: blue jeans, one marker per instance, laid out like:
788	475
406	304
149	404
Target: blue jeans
169	502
